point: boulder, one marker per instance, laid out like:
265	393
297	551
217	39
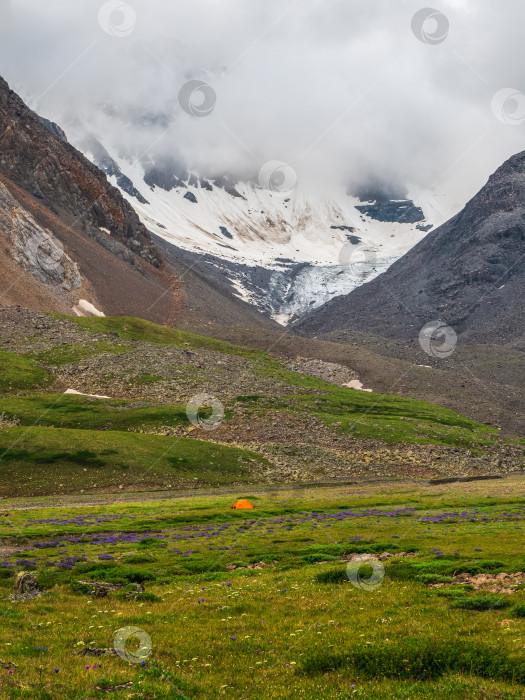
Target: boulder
25	583
100	589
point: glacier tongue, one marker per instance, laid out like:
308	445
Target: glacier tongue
288	291
313	285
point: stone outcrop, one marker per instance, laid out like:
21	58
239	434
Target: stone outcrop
94	651
393	211
25	583
25	587
100	589
36	249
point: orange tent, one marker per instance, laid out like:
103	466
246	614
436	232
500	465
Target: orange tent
242	503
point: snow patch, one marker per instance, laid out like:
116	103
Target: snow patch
356	384
85	308
79	393
281	319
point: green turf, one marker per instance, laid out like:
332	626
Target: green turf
130	328
388	417
19	373
71	411
44	461
74	352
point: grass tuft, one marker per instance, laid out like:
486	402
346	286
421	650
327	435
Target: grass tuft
421	659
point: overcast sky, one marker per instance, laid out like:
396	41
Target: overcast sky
340	89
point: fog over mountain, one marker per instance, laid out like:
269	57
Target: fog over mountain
340	91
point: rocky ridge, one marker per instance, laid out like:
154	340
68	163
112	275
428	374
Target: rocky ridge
35	156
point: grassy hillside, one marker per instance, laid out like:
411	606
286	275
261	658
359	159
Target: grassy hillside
129	328
18	373
278	425
70	411
42	461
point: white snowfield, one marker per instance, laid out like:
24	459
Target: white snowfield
275	230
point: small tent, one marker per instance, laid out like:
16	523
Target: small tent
242	503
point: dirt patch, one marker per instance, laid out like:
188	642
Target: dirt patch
7	550
492	583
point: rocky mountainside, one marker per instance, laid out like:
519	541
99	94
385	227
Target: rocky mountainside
468	273
35	155
69	240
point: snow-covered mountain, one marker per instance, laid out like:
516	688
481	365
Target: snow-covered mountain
281	248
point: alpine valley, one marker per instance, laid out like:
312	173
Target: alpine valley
262	350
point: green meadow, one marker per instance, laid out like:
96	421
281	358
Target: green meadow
258	603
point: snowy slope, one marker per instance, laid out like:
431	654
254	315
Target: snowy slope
285	252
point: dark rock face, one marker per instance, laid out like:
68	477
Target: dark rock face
54	129
378	189
351	229
190	197
35	248
228	185
166	175
400	211
469	273
386	201
225	232
49	168
106	163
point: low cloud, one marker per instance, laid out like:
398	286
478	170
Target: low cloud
343	92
